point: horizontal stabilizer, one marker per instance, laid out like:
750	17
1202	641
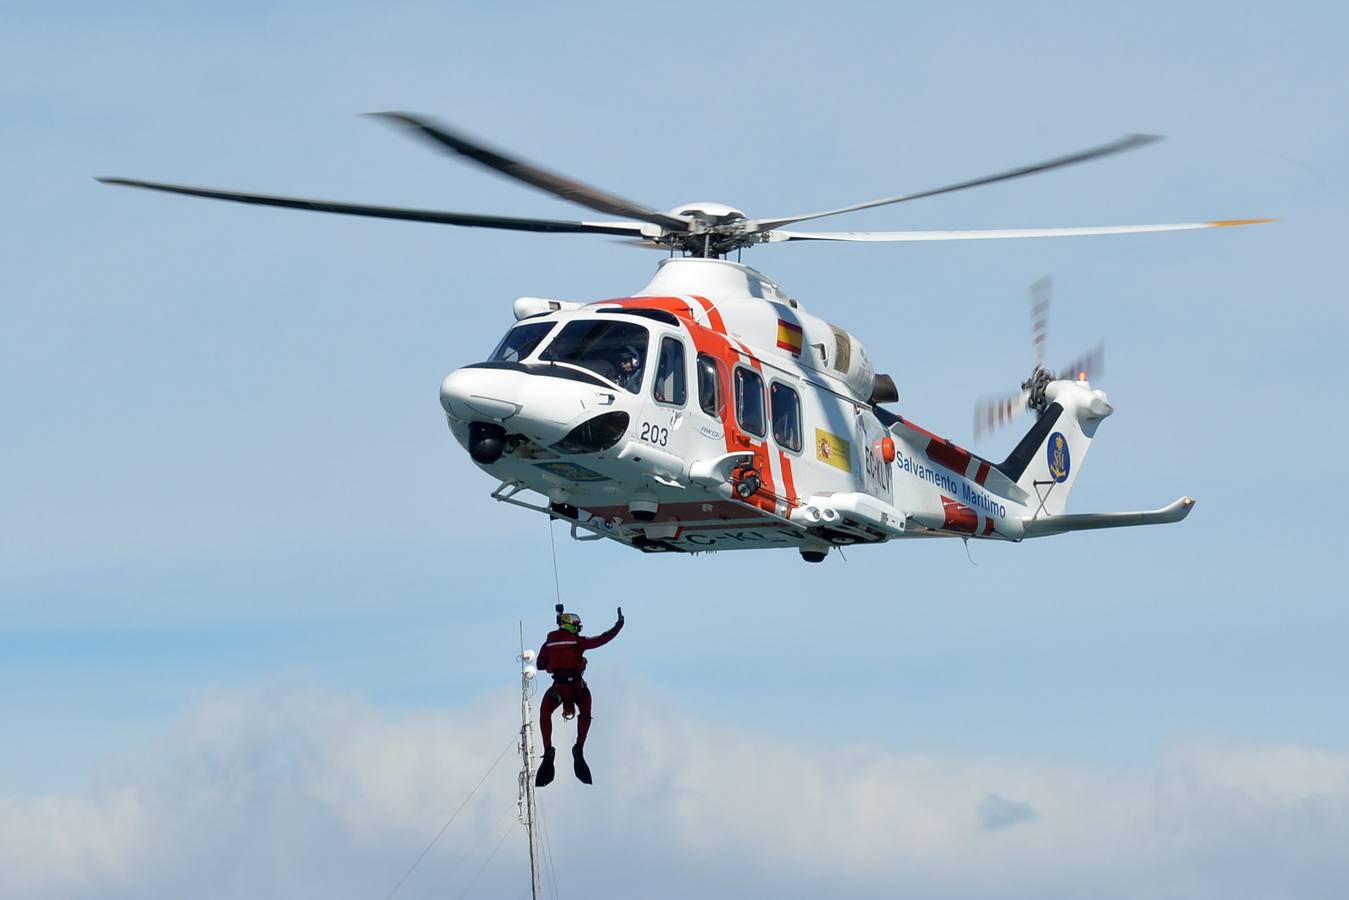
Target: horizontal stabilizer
1048	525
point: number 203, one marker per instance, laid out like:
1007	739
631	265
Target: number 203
655	434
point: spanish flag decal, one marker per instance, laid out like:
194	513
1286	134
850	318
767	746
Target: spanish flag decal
789	337
834	450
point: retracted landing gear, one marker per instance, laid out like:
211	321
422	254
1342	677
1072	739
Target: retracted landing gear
814	552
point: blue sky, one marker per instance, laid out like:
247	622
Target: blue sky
235	523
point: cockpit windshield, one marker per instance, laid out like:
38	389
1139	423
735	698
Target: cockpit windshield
521	341
612	350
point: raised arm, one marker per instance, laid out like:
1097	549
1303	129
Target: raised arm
599	640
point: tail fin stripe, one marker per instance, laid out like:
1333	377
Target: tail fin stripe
1014	466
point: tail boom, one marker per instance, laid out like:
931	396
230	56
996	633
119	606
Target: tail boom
948	491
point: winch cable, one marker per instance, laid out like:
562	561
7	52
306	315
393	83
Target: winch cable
557	583
446	826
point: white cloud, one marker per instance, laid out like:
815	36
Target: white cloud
299	794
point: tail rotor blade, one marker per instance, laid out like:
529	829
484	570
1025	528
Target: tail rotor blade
993	413
1039	317
1087	367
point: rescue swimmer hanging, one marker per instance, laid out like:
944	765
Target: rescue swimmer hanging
563	656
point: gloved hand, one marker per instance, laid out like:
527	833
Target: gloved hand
620	615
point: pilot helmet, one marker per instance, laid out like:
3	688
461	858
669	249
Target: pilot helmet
628	353
570	622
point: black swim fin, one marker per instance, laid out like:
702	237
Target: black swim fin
579	764
546	773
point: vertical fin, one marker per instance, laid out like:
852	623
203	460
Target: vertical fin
1046	461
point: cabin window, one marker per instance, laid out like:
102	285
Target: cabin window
749	401
612	350
669	385
710	380
785	406
521	341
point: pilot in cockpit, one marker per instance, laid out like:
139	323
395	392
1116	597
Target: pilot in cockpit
628	364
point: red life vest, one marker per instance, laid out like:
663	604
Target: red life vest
563	653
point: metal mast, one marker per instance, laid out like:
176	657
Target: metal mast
528	803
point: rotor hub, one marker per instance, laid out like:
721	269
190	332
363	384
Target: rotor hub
715	229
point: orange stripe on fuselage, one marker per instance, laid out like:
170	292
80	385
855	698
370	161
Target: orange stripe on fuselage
713	315
716	343
788	481
676	305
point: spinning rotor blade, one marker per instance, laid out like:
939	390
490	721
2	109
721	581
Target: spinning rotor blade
642	244
1088	366
1039	317
993	413
1128	142
986	234
471	220
558	185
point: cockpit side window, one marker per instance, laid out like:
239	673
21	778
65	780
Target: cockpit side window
520	341
614	350
669	385
749	401
711	377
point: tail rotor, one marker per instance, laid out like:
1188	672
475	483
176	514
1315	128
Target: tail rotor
993	413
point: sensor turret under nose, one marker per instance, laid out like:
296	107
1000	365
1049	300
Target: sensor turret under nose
486	442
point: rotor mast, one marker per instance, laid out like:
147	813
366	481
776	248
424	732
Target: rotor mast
528	802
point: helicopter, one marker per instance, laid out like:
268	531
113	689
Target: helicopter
710	411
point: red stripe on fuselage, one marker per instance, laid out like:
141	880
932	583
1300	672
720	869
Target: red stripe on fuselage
949	455
959	517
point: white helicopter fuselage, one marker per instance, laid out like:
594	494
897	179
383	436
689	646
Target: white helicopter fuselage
710	411
748	423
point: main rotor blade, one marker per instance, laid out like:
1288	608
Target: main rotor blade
1128	142
563	187
471	220
994	233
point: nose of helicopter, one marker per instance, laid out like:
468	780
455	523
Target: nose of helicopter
490	402
482	394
